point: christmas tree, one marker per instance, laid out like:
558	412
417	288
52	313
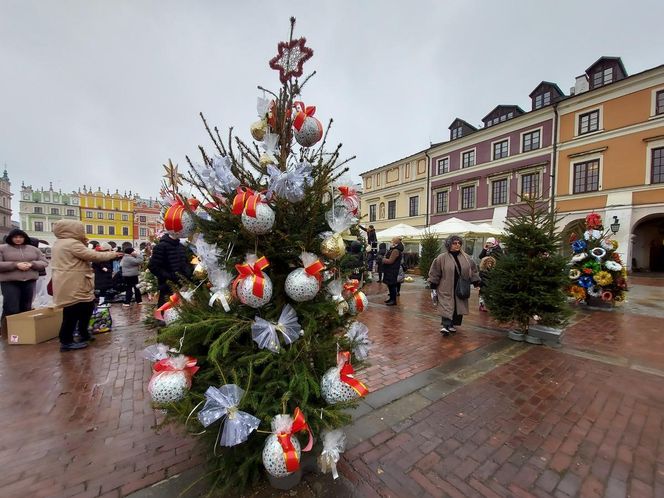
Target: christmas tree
430	250
265	338
528	281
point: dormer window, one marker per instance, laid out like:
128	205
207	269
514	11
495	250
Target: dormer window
603	77
457	133
542	100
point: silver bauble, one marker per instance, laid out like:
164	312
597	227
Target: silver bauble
309	133
171	315
300	286
246	295
273	456
352	303
263	221
335	391
168	387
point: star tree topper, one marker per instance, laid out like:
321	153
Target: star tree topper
290	58
172	176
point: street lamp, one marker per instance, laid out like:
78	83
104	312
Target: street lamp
615	226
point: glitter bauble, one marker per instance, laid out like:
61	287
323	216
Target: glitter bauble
263	221
199	272
171	315
258	130
335	391
273	455
357	303
300	286
309	133
246	295
168	387
333	246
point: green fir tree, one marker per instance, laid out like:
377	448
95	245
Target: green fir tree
529	279
430	250
274	383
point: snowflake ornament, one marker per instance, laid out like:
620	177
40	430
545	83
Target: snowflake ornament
290	58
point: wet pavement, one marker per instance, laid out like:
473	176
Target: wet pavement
470	415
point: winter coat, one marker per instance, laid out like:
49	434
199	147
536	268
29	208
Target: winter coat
70	258
103	279
11	254
442	277
169	259
131	264
392	263
494	251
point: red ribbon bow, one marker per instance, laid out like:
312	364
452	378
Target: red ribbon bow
173	300
246	270
352	286
314	269
173	215
166	365
246	200
284	438
302	113
346	374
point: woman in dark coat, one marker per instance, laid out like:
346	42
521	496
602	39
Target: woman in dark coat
391	265
382	250
103	274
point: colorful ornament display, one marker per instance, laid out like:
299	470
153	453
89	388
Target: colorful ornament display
266	334
302	284
221	403
171	379
252	286
178	221
281	453
339	384
308	130
257	216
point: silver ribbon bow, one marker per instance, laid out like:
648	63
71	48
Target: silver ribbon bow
265	334
334	444
218	177
222	402
289	184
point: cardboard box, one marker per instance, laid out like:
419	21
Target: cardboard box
35	326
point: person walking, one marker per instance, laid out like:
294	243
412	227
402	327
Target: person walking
103	274
445	274
131	265
168	263
72	279
391	265
20	265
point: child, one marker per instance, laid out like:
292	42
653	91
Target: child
486	265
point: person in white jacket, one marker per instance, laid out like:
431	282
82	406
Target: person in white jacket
131	265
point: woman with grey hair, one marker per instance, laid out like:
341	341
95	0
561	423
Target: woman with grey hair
444	275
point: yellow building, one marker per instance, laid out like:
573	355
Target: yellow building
107	217
610	157
396	193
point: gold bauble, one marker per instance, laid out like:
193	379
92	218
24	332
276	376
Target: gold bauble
199	272
259	129
265	160
333	246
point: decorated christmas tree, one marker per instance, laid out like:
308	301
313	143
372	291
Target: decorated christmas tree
597	274
528	281
261	343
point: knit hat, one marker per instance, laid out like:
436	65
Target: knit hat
491	240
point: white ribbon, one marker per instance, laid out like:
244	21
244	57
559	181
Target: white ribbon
334	444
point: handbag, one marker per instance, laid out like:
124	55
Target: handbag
462	290
401	275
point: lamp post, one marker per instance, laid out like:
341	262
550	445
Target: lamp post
615	226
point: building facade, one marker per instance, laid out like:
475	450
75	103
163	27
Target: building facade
611	158
39	209
396	193
147	220
107	217
5	205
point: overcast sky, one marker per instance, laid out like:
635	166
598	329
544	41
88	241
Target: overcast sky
102	93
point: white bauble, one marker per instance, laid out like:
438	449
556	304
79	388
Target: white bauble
352	303
246	295
263	221
335	391
309	133
171	315
168	387
300	286
273	456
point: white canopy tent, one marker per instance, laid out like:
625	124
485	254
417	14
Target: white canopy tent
487	229
399	230
451	226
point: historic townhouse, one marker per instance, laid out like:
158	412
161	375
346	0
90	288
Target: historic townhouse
396	193
107	217
5	205
39	209
480	174
147	220
611	157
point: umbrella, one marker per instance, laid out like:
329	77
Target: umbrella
399	230
487	229
451	226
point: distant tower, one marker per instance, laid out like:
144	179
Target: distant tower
5	204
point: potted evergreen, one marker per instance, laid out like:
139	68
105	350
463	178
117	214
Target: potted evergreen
527	283
430	249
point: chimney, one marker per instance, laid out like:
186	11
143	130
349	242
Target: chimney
581	84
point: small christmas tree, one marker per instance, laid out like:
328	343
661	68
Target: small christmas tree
266	337
528	280
430	251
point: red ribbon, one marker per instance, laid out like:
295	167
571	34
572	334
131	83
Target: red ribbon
166	365
246	200
302	114
284	438
173	215
346	374
256	270
173	300
359	302
350	198
352	286
314	269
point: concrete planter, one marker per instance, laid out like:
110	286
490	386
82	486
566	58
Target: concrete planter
531	339
285	483
516	336
551	336
598	303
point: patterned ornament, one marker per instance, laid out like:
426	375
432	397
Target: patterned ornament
290	58
273	455
171	315
333	246
262	222
339	385
302	284
252	286
358	303
246	295
308	130
171	379
178	221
